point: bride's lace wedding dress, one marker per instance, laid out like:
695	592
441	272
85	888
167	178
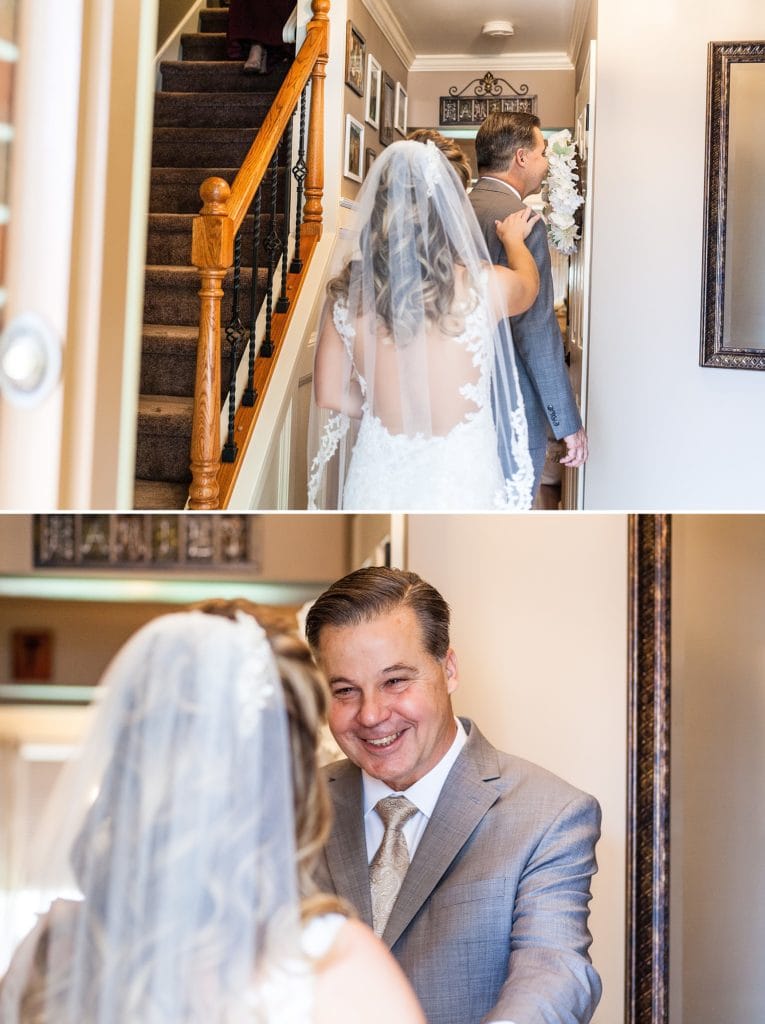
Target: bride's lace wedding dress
456	469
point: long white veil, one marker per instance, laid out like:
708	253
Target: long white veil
412	276
175	827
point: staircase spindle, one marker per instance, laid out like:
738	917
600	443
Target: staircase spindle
284	303
250	395
299	172
234	334
272	244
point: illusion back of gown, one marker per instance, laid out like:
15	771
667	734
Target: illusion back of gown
445	458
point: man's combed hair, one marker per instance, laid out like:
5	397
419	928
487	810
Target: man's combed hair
501	136
368	593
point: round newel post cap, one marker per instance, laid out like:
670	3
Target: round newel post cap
214	193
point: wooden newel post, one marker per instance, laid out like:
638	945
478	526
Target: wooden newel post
212	251
314	187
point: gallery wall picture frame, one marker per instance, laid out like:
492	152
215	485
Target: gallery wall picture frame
354	148
373	83
355	49
369	159
387	109
400	114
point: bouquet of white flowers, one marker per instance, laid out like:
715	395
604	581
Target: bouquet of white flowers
560	194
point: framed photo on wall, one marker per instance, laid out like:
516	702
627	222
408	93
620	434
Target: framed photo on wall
354	148
355	48
369	159
386	112
399	118
374	78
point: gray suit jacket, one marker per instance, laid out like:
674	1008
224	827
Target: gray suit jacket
491	920
542	371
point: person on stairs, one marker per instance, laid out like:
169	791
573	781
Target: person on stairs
257	26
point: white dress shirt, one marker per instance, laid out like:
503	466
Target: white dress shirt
423	794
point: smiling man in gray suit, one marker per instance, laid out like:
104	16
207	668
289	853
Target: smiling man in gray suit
488	916
510	150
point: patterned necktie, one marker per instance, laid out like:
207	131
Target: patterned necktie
391	862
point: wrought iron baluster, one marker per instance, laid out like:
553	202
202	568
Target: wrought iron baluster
234	333
250	394
299	172
272	244
284	303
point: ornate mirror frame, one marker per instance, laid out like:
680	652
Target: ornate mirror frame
648	722
714	351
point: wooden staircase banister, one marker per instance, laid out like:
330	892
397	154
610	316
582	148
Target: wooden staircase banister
223	212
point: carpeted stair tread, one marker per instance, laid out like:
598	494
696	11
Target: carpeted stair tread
204	45
172	147
210	109
172	294
176	189
219	76
169	238
164	424
155	494
168	366
213	19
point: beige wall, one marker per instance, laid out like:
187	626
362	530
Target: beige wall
171	12
664	432
554	91
540	626
718	764
589	33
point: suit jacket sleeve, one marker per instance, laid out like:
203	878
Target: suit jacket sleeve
536	334
551	979
537	338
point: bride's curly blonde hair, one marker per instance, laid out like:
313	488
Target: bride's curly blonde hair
397	295
306	697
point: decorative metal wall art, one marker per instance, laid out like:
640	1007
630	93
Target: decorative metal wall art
143	541
489	97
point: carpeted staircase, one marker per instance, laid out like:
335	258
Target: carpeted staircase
205	119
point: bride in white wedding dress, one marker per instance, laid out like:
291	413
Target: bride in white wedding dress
182	840
416	397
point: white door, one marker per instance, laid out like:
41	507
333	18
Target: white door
579	270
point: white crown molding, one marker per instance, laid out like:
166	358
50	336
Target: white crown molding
391	28
498	61
578	22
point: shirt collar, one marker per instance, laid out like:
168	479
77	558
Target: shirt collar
425	792
512	188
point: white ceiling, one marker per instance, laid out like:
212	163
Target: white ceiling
427	29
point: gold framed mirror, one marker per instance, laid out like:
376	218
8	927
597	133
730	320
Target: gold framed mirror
733	299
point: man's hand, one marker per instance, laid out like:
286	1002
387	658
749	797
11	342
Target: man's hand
577	449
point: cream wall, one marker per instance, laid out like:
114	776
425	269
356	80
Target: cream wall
589	33
718	764
539	608
664	433
554	91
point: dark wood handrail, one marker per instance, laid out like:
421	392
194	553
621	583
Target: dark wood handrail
223	211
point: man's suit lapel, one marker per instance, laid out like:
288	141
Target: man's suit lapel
468	793
346	849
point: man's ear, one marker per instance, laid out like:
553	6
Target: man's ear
450	667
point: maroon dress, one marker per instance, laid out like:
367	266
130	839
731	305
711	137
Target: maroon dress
258	21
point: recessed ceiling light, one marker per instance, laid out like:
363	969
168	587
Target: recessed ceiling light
497	28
